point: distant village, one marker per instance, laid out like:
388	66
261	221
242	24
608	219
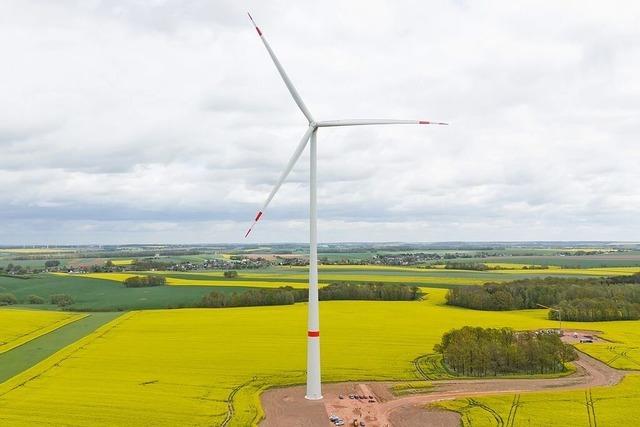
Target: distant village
168	262
249	262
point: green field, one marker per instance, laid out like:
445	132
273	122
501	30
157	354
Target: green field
105	295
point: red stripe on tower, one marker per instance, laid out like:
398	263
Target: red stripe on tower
313	333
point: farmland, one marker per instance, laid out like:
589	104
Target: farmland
574	255
105	295
160	364
606	406
39	347
297	276
20	326
152	383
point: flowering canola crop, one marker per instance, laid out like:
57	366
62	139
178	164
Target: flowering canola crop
208	366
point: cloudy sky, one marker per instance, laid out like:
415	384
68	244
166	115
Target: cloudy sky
165	121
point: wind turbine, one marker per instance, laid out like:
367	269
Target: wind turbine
314	389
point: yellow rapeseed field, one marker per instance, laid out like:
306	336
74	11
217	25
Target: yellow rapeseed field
122	261
205	366
35	250
20	326
601	406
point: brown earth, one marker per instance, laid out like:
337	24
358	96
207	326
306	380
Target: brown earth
287	406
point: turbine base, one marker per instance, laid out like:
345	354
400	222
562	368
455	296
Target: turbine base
313	397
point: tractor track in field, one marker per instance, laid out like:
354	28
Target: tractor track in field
417	365
511	419
389	410
591	409
230	408
496	416
621	355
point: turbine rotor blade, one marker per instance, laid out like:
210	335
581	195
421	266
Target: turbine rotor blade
362	122
287	81
292	161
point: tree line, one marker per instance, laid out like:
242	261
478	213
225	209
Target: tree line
16	269
61	300
460	265
594	299
145	281
595	310
252	297
473	351
369	291
336	291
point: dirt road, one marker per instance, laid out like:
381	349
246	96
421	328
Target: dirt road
288	407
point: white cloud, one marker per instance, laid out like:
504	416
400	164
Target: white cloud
166	121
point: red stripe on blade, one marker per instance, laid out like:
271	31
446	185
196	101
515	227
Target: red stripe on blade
258	215
254	24
248	231
424	122
313	333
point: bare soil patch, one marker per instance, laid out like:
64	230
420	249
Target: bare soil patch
288	406
418	416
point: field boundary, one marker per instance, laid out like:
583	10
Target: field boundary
52	361
37	333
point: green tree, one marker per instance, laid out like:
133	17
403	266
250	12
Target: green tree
145	281
61	300
7	299
35	299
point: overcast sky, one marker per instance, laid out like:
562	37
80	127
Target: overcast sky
165	121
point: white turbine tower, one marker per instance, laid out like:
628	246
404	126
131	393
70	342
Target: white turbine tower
314	391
